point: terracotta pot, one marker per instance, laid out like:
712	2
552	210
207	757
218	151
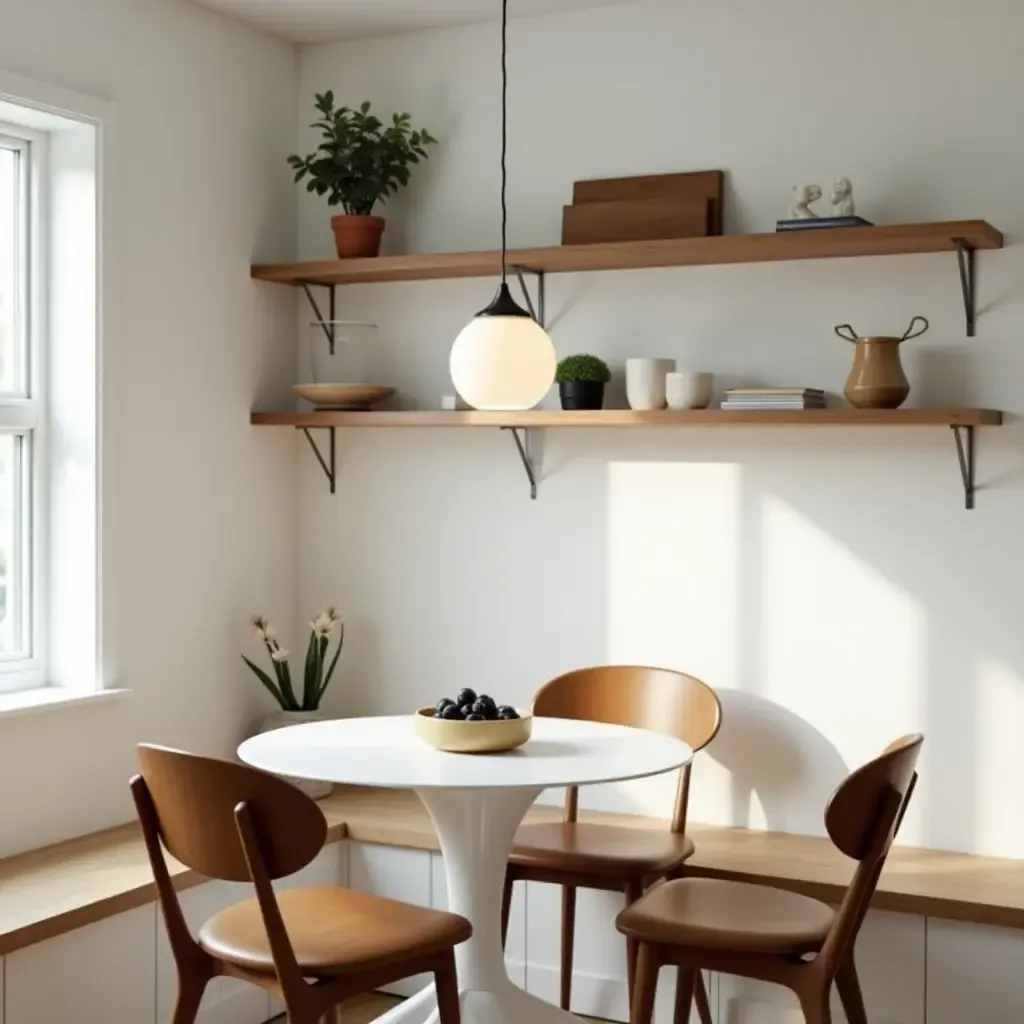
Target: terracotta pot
356	235
877	380
281	720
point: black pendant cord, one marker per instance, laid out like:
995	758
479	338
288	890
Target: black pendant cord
503	304
504	140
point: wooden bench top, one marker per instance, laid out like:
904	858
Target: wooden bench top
48	892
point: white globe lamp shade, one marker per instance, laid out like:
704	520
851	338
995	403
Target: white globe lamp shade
503	363
503	360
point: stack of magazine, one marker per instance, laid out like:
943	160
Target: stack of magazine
774	398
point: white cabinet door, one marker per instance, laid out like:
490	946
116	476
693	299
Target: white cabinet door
104	972
226	1001
975	973
891	965
599	986
399	874
515	947
329	867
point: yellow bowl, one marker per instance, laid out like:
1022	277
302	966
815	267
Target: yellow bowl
472	737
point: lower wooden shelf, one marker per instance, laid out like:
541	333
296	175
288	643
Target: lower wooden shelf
962	422
535	418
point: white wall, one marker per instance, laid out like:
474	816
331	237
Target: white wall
199	510
830	584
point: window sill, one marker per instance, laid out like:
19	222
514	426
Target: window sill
52	698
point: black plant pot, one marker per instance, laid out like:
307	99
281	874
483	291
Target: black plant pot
581	394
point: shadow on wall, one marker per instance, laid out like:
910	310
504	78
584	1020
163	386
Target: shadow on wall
776	760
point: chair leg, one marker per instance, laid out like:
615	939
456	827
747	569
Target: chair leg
634	890
190	995
849	992
816	1008
704	1004
506	906
568	943
645	985
686	983
449	1010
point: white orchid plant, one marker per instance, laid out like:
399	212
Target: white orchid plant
317	672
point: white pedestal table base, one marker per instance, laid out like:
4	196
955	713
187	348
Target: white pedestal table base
475	828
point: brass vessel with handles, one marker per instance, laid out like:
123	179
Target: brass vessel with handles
877	380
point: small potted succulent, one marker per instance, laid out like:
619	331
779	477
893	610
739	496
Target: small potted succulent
360	161
297	706
581	380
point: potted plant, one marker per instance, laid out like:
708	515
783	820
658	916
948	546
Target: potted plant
297	707
359	162
581	380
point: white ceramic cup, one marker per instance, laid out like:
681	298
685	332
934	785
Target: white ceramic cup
688	390
645	382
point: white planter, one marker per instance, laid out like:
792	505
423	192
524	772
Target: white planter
645	383
688	390
281	719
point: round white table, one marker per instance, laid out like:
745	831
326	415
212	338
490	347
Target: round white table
476	803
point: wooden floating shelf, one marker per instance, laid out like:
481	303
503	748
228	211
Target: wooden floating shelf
541	418
962	422
817	243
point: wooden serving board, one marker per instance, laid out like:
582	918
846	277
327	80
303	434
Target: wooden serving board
687	187
637	220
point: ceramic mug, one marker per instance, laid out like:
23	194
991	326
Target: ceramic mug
645	383
688	390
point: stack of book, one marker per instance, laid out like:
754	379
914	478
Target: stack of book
774	398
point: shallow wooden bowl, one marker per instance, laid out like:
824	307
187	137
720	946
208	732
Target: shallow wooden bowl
472	737
343	396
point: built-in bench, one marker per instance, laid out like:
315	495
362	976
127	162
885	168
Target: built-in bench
49	892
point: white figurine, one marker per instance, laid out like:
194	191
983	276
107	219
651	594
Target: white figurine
803	196
842	199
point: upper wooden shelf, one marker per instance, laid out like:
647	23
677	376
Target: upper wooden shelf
628	418
818	243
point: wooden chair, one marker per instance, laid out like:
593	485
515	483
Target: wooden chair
613	858
759	931
313	947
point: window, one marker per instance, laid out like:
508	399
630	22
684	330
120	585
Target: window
51	197
22	473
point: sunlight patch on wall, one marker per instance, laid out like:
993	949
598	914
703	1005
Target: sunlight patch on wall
997	745
841	645
672	588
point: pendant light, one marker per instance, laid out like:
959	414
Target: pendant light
503	360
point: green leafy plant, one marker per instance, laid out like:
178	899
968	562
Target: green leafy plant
317	671
361	160
583	367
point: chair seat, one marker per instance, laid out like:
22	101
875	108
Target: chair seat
333	931
707	913
599	849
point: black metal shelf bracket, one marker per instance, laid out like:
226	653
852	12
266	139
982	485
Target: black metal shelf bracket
966	258
965	456
329	463
326	325
537	310
523	447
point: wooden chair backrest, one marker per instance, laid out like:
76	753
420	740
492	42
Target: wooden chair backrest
195	800
658	699
862	819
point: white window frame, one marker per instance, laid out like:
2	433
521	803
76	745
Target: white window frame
23	414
